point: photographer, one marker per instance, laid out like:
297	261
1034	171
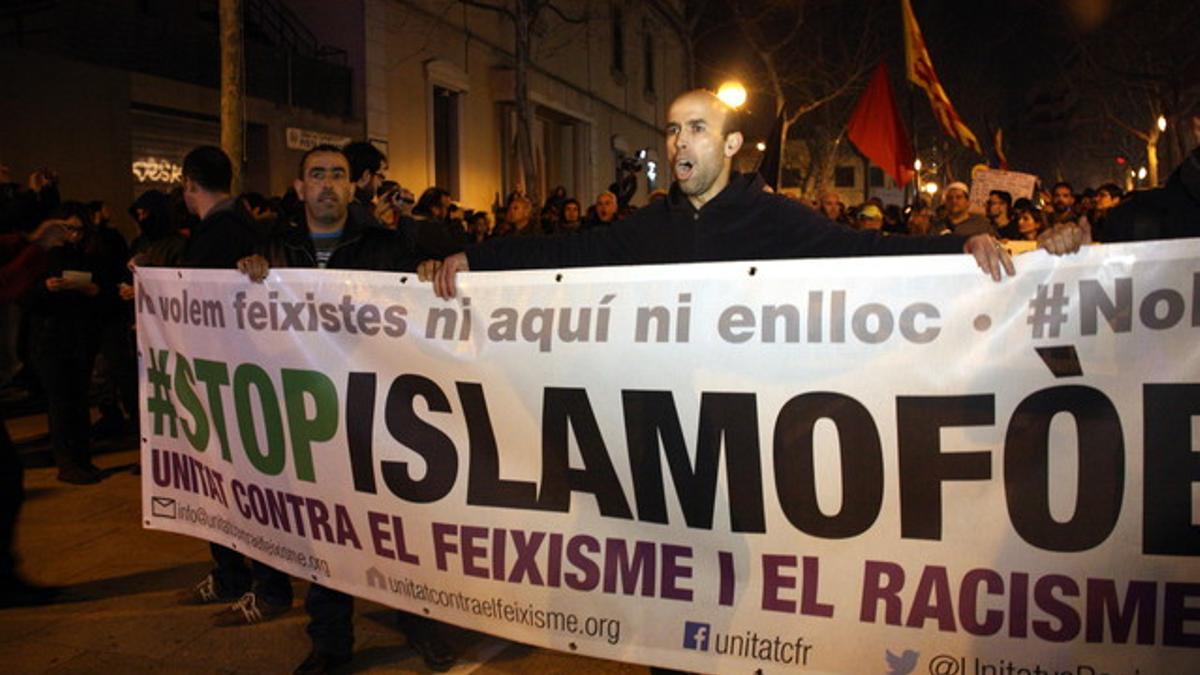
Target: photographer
436	230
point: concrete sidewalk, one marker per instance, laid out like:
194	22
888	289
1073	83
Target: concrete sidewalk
118	614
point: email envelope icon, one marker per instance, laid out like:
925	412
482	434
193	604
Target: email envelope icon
162	507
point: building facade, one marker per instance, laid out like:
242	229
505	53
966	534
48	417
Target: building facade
440	93
112	93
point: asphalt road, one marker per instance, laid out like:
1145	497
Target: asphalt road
118	612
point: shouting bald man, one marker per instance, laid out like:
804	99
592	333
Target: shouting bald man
712	214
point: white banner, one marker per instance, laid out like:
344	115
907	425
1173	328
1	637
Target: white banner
887	465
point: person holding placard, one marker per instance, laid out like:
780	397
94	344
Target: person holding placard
63	308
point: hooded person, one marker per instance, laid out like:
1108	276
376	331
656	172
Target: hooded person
159	243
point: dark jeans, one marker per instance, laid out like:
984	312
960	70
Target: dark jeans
233	577
116	370
12	493
331	620
65	370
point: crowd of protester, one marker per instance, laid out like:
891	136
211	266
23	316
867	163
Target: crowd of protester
68	285
1020	219
67	338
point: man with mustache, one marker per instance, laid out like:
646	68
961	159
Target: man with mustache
336	237
711	214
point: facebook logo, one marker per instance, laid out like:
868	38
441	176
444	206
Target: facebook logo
695	635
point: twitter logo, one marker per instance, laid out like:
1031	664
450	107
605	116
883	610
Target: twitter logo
903	664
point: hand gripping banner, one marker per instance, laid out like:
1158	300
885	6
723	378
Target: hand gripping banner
888	465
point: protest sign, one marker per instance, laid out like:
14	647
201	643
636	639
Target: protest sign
984	180
829	466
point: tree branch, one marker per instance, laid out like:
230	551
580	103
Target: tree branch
569	19
1117	121
803	110
794	32
499	9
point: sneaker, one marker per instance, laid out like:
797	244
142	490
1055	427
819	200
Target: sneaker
320	663
248	610
205	593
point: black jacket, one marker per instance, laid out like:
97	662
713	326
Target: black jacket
66	322
364	245
741	223
1169	212
225	236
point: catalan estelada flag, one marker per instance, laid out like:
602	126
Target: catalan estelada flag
921	73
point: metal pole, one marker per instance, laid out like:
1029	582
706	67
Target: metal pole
233	88
912	124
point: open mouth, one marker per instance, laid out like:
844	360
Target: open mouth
683	169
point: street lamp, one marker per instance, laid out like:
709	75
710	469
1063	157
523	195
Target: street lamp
732	93
1162	123
931	188
1141	174
760	146
917	164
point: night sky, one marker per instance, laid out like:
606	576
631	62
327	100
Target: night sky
1015	64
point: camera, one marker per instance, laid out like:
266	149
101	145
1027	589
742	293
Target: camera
631	165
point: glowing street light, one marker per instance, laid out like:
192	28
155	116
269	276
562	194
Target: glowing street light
760	146
931	188
917	164
1141	173
732	93
1162	123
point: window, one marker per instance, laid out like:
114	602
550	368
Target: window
559	150
843	177
445	138
555	138
876	176
618	40
648	62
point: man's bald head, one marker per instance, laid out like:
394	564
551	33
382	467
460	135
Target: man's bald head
703	134
830	204
733	119
606	207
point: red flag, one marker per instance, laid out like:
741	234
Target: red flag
876	129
